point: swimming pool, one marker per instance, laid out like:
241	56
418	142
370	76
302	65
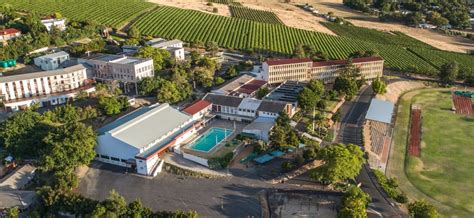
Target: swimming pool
210	139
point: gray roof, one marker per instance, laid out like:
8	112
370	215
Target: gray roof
250	103
15	198
272	106
380	111
162	43
262	124
223	100
19	178
234	84
17	77
54	55
121	59
145	127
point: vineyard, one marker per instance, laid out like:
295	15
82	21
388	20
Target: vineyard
254	15
191	26
114	13
226	2
392	38
438	58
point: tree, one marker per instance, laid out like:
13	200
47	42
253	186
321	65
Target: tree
12	212
354	203
133	32
346	85
422	209
70	145
299	52
341	162
135	209
212	47
379	86
231	71
449	72
307	99
262	92
278	136
149	85
204	76
168	93
317	86
115	204
160	56
219	80
110	105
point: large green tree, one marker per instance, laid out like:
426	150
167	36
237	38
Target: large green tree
160	56
379	86
340	162
168	93
69	146
354	203
449	72
307	99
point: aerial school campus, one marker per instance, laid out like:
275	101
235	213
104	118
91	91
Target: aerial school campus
229	108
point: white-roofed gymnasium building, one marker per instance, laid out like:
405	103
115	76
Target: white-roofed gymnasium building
139	139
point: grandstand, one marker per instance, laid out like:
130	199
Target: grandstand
462	102
378	132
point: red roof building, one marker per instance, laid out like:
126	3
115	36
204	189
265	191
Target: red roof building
288	61
197	107
8	34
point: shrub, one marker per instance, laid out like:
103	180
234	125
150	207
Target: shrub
287	166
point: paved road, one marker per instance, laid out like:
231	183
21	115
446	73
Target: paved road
350	132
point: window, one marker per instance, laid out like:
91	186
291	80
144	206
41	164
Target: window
104	156
123	161
115	159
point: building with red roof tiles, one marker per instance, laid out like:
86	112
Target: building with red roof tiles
8	34
303	69
198	109
243	86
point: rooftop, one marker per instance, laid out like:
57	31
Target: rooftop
163	43
250	104
288	61
261	123
54	55
12	76
287	91
272	106
230	101
9	31
380	111
251	86
120	59
15	198
19	178
197	106
144	126
234	84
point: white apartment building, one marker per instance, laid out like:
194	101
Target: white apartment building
19	91
8	34
174	47
51	61
118	67
58	23
304	69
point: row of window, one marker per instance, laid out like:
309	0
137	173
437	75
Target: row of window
111	158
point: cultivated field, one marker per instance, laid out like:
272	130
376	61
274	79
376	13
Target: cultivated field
444	172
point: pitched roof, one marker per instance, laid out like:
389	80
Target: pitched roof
224	100
341	62
9	31
196	107
234	84
272	106
288	61
148	125
380	111
251	86
54	55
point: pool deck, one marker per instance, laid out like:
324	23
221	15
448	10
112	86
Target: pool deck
219	149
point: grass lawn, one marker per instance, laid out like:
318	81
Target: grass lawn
444	173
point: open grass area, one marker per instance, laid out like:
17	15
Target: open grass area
445	171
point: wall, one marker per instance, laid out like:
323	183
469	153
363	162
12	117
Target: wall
112	147
196	159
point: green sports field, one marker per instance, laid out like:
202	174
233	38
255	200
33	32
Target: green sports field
444	174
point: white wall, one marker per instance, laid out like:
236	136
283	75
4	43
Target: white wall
112	147
196	159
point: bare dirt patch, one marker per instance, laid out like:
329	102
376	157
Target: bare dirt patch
199	5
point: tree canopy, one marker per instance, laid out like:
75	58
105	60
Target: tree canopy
422	209
379	86
449	72
160	56
341	162
354	203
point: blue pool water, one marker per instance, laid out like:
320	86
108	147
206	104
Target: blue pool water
210	139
